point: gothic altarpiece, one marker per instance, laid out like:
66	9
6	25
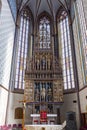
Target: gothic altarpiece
43	76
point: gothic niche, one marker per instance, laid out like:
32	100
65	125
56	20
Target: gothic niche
43	92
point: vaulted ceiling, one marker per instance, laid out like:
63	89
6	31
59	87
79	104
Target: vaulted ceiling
39	6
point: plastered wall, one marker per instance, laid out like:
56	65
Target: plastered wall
83	100
69	105
3	105
14	102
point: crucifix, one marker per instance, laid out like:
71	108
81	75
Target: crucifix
24	106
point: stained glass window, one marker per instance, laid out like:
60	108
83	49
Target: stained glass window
68	75
44	33
22	51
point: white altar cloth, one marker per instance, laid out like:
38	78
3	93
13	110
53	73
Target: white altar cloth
48	115
44	127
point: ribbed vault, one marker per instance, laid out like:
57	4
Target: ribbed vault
39	6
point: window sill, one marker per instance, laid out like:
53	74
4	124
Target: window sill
70	91
19	91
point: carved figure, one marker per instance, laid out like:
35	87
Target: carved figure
49	94
48	64
38	64
37	98
43	93
43	63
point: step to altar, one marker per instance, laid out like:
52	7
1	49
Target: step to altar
43	127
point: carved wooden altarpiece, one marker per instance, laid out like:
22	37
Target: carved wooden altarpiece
43	76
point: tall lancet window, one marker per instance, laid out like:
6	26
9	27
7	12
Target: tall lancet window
66	54
22	50
44	33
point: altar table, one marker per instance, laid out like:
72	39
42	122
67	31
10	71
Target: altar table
50	117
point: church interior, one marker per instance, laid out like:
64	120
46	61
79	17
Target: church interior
43	64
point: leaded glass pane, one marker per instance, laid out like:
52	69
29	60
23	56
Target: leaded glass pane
67	64
22	51
44	33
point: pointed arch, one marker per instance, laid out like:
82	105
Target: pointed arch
28	12
46	14
66	50
44	30
59	11
24	30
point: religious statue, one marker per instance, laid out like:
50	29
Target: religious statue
30	65
49	94
43	93
43	63
37	109
50	108
38	64
48	64
37	95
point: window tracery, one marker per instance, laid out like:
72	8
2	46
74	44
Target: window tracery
67	63
22	50
44	33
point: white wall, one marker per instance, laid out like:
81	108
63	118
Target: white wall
7	29
14	103
78	52
83	100
84	2
68	105
3	105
